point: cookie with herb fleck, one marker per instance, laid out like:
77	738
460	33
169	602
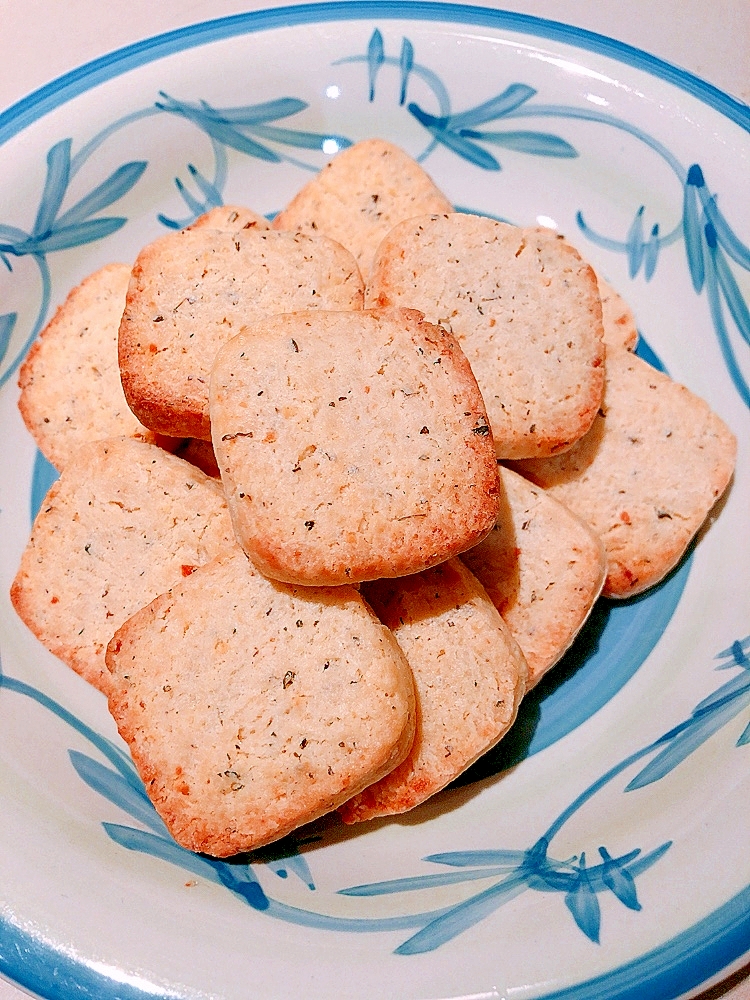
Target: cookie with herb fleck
526	310
191	291
124	521
469	676
646	475
230	218
360	195
352	446
543	568
618	321
70	381
263	715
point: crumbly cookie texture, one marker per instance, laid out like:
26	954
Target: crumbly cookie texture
352	446
526	310
124	521
231	218
70	381
646	475
618	321
543	567
360	195
191	291
268	712
469	674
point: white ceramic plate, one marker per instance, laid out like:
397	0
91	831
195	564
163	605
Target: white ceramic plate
602	850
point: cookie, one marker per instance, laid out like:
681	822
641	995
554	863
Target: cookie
360	195
124	521
268	712
191	291
526	310
618	321
70	381
469	675
645	476
199	453
351	446
543	567
230	218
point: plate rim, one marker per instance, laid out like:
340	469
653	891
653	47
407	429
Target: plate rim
76	81
708	949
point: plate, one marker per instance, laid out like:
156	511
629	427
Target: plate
602	850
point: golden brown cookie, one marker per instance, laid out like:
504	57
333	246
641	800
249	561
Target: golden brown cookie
646	475
124	522
526	310
469	675
543	567
360	195
266	713
191	291
351	445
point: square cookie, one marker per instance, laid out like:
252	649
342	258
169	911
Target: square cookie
645	476
351	445
526	310
260	716
124	521
192	291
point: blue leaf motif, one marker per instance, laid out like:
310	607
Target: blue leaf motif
470	859
651	253
196	207
533	143
210	192
375	59
732	294
736	686
725	236
685	739
584	905
744	736
634	243
459	918
452	140
618	879
77	235
692	229
301	140
497	107
163	848
7	323
128	795
10	236
735	655
413	882
294	863
115	187
406	64
258	114
229	136
239	878
55	186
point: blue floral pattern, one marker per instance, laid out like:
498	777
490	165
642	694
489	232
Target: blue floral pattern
510	871
712	248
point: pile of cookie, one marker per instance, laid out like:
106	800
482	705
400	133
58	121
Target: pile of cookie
335	491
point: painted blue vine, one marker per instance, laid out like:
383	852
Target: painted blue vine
712	248
510	872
